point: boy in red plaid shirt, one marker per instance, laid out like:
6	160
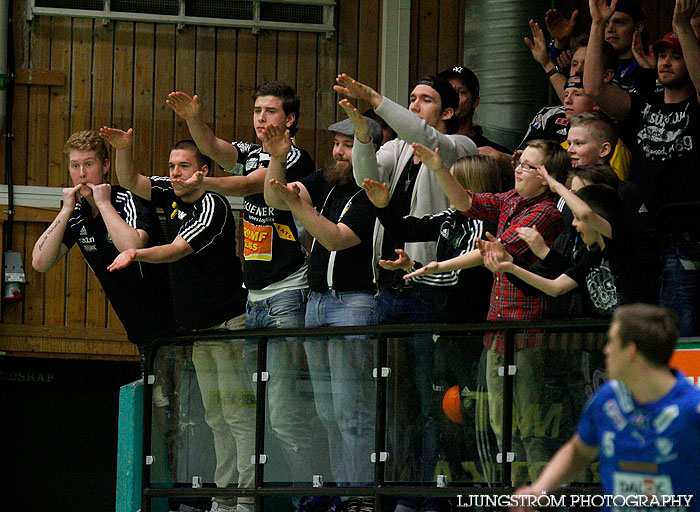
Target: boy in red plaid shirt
530	203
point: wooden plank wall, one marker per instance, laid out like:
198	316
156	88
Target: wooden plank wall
119	74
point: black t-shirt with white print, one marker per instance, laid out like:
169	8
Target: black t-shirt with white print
617	274
349	269
207	285
272	250
139	293
664	139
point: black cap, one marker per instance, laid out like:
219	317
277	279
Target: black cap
466	75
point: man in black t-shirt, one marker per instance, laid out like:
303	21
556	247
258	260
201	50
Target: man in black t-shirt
208	295
337	213
662	131
104	220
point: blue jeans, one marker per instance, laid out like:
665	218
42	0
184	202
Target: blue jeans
288	407
680	285
415	445
341	375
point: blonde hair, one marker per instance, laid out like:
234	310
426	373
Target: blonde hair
87	140
478	173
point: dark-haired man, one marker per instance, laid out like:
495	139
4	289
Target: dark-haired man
643	424
274	270
466	85
429	120
208	294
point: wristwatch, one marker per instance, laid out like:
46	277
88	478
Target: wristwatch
556	69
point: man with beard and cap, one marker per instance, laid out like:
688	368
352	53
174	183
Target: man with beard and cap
429	120
337	213
466	85
662	129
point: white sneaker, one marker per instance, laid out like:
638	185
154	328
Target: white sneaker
218	507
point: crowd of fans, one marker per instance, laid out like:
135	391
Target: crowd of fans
418	219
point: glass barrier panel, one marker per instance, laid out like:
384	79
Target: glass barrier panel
437	411
203	427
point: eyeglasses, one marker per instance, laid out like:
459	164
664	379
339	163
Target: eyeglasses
525	167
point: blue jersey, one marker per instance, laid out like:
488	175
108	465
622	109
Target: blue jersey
646	449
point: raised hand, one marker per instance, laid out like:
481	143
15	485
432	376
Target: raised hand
184	106
377	193
354	89
560	28
122	260
683	11
430	158
102	193
118	139
276	141
645	60
193	182
601	11
534	240
537	45
404	261
494	247
359	121
69	196
288	193
564	60
551	181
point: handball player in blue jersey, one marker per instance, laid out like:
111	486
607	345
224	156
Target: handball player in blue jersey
643	424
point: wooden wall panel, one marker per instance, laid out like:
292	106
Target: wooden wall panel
119	74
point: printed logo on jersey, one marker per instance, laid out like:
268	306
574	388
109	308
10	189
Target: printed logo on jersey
251	164
538	121
284	232
613	412
563	121
109	238
257	242
83	231
665	418
601	286
629	484
175	211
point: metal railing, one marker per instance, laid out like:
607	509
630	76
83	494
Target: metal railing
380	488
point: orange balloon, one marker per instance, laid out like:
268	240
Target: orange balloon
452	405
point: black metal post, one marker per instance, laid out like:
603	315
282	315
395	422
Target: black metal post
507	438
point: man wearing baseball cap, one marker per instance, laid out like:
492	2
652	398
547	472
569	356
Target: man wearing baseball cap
337	213
466	85
429	120
662	130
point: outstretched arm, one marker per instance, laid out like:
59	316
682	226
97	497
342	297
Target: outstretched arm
467	260
125	167
49	248
168	253
613	100
458	197
538	48
334	237
190	109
